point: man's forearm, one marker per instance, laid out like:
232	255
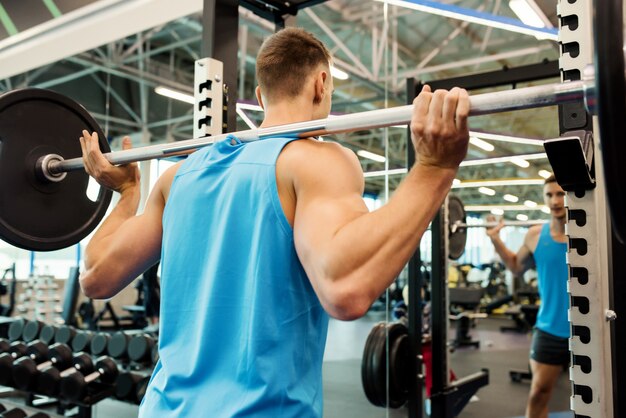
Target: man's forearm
125	208
375	247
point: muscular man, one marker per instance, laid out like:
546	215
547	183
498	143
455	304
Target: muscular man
544	248
260	242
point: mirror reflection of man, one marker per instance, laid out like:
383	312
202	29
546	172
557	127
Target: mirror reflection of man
544	249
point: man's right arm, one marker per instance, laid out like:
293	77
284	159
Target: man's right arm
351	255
518	262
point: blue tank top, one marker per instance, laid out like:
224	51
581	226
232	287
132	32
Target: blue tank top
242	332
550	259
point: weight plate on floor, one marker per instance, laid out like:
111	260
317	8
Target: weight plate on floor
36	214
457	236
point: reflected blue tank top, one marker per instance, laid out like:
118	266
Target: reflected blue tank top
242	332
550	259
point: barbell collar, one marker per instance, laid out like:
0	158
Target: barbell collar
481	104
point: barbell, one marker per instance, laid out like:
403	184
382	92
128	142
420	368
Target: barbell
43	201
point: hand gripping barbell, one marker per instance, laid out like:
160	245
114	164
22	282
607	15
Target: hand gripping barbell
44	208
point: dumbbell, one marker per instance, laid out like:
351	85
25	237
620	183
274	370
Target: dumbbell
48	333
99	344
118	345
140	348
16	350
11	413
49	380
16	328
26	369
155	354
18	413
4	345
74	385
65	335
82	341
31	331
128	386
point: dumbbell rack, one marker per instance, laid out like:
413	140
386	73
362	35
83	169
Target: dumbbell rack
40	299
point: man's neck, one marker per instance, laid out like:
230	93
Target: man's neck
287	112
557	225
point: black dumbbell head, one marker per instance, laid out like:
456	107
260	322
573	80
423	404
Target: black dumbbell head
60	355
83	363
126	386
73	386
155	354
24	373
142	386
37	350
140	348
107	367
47	333
82	341
65	335
6	364
16	329
13	413
99	344
118	345
32	330
4	345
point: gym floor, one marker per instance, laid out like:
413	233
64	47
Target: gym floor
344	397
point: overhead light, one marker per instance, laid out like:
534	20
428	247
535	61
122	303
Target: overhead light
487	191
383	173
530	204
545	209
520	162
249	106
456	181
521	217
338	74
371	156
173	94
499	160
507	138
545	173
484	145
506	182
528	12
506	208
510	198
474	16
497	211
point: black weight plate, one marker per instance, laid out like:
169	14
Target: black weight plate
368	371
398	367
16	329
611	102
458	238
34	214
125	385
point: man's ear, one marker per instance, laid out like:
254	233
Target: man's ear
259	97
320	86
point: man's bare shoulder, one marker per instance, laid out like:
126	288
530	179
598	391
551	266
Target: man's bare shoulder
532	237
321	154
164	183
308	161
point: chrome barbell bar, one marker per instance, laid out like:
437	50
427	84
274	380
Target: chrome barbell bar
456	225
481	104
